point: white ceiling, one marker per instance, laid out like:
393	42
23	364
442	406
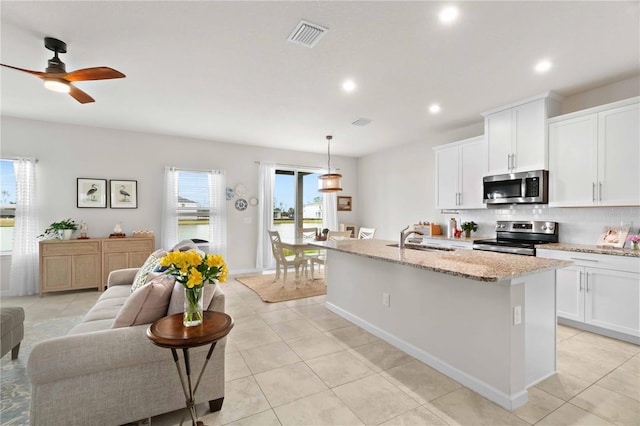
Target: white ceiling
224	71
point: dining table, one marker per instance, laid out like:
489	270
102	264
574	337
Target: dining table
298	247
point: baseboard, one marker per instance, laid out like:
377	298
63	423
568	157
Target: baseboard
598	330
484	389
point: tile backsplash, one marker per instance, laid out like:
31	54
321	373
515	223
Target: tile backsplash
576	225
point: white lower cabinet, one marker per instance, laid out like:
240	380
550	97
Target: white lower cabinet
600	291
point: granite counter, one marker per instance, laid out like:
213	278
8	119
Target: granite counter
472	264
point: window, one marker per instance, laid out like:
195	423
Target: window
296	202
197	209
7	204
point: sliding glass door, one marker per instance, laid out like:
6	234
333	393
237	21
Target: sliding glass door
296	202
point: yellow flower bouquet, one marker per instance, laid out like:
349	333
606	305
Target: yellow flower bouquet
193	270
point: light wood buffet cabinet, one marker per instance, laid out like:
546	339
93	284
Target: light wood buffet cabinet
76	264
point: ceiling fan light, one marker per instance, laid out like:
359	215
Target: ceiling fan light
57	85
329	182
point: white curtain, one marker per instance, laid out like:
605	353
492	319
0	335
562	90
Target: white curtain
330	215
170	208
24	256
267	177
217	213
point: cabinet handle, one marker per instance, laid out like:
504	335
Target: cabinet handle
513	161
599	191
584	260
580	289
509	162
593	192
587	283
460	196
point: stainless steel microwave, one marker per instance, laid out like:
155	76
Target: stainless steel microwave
517	188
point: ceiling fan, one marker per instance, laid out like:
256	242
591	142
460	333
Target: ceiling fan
57	78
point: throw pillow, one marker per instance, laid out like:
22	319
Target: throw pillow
147	304
142	276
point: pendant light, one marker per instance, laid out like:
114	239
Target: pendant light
329	182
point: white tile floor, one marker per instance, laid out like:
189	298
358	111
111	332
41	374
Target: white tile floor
297	363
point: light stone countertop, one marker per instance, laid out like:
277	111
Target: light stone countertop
580	248
472	264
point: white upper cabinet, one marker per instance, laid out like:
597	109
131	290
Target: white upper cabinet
594	156
516	134
459	171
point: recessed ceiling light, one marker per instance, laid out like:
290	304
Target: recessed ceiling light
349	86
543	66
434	109
448	14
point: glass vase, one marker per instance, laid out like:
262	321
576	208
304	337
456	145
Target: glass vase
635	245
192	306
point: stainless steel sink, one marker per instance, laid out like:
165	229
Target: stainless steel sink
420	247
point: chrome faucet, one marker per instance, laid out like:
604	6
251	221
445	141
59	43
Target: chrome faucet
404	235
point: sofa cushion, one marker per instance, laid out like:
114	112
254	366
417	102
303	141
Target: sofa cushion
91	326
146	304
116	292
105	309
142	276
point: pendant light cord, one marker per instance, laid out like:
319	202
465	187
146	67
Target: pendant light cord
329	154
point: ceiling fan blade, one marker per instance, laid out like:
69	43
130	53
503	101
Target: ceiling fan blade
36	73
96	73
80	96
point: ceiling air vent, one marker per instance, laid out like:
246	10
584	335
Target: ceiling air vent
362	122
307	34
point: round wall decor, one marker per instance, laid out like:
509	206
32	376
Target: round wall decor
253	201
230	193
241	204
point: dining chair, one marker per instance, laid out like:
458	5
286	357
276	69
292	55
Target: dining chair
366	233
285	261
338	235
320	260
307	233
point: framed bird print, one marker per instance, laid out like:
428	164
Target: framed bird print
92	193
124	194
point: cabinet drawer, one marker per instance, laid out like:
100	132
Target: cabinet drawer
593	260
54	248
128	244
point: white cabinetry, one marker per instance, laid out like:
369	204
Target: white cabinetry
599	292
516	134
459	171
593	156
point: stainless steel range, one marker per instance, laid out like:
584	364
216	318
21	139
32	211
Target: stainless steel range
519	237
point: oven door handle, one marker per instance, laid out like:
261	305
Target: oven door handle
501	249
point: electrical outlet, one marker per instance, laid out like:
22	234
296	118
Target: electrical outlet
386	299
517	315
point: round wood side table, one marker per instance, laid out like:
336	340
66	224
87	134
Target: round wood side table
170	332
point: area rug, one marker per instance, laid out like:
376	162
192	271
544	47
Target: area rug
279	291
16	388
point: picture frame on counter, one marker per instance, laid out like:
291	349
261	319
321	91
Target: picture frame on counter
613	236
91	193
124	194
344	204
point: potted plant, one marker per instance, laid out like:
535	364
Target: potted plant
467	227
61	230
323	237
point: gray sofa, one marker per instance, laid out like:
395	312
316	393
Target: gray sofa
99	375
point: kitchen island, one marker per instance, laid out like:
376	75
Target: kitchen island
487	320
